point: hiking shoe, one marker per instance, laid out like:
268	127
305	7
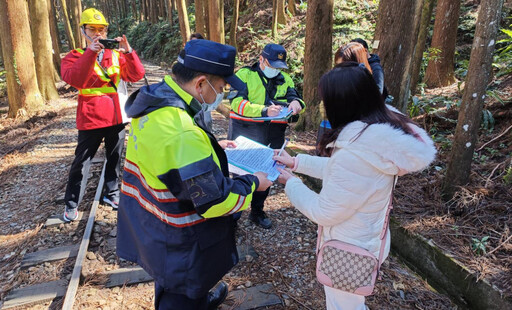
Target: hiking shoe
261	220
70	214
112	203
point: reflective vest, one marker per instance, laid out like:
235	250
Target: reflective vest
177	199
113	72
250	103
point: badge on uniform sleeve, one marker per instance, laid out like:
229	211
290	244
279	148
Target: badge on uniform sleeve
203	189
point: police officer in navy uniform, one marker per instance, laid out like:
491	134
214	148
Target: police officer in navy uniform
177	200
269	90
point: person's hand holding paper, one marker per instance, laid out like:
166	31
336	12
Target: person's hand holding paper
264	181
224	144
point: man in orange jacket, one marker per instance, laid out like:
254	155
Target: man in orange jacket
97	72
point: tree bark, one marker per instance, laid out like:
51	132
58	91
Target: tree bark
183	16
168	4
55	39
67	25
291	7
221	22
22	91
42	45
317	58
426	16
215	29
479	75
281	14
440	70
396	35
274	19
200	17
75	11
234	23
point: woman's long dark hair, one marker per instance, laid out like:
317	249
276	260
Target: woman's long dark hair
350	94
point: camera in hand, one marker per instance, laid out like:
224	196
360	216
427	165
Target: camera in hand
109	43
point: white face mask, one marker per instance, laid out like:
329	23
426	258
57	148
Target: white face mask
271	72
208	107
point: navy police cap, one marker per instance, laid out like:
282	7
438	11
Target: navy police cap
276	56
213	58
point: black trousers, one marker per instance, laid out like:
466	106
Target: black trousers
170	301
266	133
88	143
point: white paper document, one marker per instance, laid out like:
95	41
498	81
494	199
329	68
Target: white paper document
284	114
250	157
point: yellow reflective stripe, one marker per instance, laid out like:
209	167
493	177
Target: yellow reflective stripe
232	204
97	91
177	220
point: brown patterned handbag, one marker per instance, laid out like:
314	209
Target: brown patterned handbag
347	267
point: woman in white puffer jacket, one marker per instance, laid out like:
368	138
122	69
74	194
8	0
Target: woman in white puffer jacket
368	146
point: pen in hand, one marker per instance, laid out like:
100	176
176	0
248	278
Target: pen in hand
281	150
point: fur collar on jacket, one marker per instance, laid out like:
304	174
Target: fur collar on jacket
388	148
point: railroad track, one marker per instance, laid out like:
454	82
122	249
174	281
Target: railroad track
65	289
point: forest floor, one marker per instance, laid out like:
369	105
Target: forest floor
35	157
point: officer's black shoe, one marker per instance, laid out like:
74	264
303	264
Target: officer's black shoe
261	219
217	295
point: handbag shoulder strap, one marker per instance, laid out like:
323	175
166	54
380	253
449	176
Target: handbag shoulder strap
383	233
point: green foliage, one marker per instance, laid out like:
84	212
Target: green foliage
479	246
3	83
503	57
487	120
353	19
507	178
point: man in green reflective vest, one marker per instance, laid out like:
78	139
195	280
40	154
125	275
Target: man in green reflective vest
268	91
177	200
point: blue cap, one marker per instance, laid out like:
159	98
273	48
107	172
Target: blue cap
276	56
213	58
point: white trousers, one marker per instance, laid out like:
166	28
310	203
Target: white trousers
339	300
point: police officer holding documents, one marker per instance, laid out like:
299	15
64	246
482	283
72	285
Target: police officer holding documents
177	199
269	90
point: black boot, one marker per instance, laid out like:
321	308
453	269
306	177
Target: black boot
260	219
217	295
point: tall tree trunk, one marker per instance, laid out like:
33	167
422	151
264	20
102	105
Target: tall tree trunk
22	91
75	11
183	17
215	22
221	22
42	45
440	69
206	10
154	11
163	9
67	25
55	38
142	10
426	16
479	74
200	17
396	35
168	4
291	7
133	6
281	14
317	58
274	19
234	23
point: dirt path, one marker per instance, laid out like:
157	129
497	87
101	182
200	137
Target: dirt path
34	162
